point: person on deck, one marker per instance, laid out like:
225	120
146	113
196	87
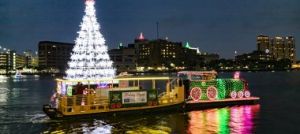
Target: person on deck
80	88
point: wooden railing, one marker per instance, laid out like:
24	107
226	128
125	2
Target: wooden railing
82	103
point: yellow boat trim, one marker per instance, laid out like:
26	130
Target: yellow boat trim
120	109
116	79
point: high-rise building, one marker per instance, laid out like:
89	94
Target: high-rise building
158	54
3	60
278	47
54	55
263	43
31	59
254	56
10	60
19	61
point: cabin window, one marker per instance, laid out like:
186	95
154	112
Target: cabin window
196	77
182	76
93	108
69	109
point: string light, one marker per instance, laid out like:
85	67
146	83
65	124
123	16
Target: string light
218	89
89	58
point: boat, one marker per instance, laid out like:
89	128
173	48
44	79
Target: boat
125	74
204	90
18	75
189	90
117	96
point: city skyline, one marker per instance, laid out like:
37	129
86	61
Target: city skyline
215	27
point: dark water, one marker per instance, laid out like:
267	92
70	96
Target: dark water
278	112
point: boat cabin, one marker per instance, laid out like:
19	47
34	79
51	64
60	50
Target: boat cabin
197	75
123	93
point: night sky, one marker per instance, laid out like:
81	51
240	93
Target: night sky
215	26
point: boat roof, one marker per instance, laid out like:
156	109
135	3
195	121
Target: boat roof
198	72
128	78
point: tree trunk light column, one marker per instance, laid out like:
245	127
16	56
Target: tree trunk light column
168	87
153	84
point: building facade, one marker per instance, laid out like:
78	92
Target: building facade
31	59
3	60
254	56
54	55
11	61
158	55
124	58
279	47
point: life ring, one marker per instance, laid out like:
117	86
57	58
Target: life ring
233	94
195	93
119	105
112	106
240	94
247	94
211	93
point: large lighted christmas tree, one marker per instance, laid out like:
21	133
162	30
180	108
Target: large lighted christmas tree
89	59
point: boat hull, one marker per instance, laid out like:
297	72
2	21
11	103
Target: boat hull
198	105
55	114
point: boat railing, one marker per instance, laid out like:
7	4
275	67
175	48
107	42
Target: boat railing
165	98
173	83
173	92
83	103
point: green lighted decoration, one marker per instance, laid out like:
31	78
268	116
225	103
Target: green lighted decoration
221	85
223	118
212	93
226	88
187	45
196	93
120	45
237	85
203	83
69	90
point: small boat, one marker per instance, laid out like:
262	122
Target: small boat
18	75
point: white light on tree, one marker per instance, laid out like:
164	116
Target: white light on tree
89	59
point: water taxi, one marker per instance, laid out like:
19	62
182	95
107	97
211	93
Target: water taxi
121	95
189	90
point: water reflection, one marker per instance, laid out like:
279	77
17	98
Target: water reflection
25	78
128	125
3	95
3	90
3	78
239	119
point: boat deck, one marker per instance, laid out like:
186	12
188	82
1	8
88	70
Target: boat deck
204	104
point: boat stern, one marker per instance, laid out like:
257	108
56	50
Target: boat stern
51	112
